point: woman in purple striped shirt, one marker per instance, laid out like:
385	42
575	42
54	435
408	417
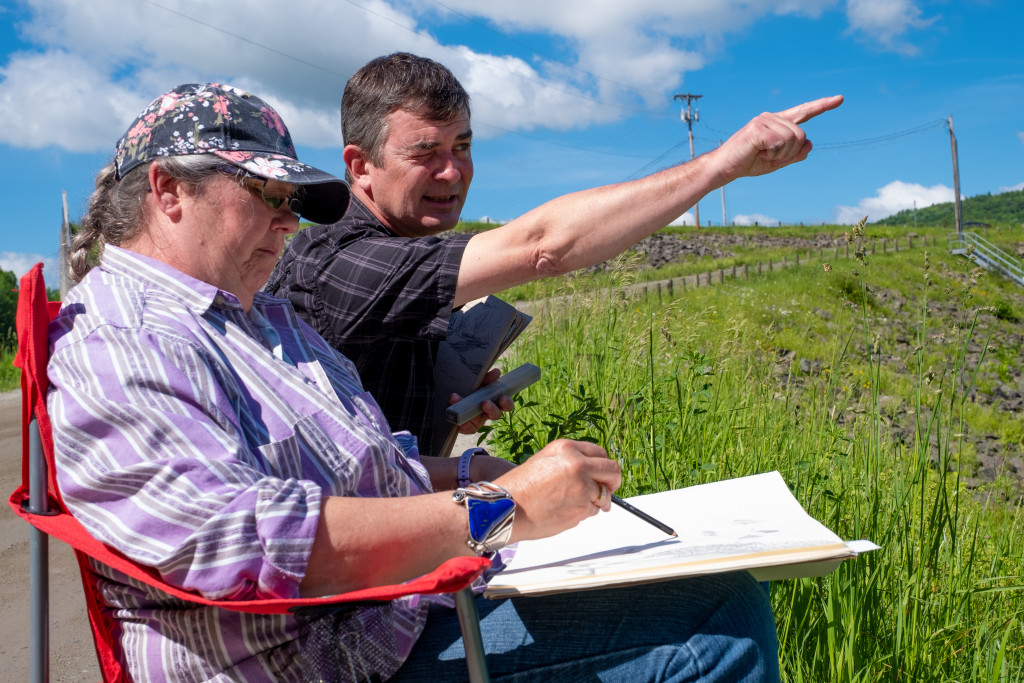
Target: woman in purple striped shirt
204	431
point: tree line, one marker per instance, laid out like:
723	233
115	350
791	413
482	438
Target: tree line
9	283
1004	208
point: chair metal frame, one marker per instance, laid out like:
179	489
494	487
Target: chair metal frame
38	502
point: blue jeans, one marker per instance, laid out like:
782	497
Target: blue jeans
713	628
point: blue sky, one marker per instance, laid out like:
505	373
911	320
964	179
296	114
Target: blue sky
566	95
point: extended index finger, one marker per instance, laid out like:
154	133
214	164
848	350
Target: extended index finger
808	110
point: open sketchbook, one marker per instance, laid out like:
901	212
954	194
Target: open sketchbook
751	523
478	333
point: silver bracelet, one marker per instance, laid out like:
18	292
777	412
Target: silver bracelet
491	511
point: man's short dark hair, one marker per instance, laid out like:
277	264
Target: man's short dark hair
397	81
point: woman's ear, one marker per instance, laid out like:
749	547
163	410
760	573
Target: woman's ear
165	192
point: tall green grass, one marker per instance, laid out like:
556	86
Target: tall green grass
868	432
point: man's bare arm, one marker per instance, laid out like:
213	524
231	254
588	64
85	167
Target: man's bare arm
583	228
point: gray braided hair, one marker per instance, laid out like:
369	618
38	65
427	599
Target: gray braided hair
117	208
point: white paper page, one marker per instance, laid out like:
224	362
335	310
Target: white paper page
754	515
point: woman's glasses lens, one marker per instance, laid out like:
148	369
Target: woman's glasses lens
258	186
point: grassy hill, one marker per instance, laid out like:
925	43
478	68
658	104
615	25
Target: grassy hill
1005	209
885	386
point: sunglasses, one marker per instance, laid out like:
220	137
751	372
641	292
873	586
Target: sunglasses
258	186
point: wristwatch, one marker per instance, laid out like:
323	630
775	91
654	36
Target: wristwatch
463	475
491	512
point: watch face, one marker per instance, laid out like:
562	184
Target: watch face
485	515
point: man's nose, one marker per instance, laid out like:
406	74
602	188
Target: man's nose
448	170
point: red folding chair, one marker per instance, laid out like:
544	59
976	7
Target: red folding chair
38	501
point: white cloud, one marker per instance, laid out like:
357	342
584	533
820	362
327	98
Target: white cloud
886	22
19	264
56	98
894	197
685	219
1013	188
80	88
647	44
755	219
96	63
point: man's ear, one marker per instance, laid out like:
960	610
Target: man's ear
357	164
165	192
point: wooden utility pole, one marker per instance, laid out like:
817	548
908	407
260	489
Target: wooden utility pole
690	117
956	180
64	245
724	223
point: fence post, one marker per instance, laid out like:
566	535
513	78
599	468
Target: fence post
746	272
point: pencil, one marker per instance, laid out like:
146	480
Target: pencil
644	516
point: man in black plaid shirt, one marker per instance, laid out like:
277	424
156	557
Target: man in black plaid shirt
380	284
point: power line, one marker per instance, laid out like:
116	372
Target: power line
492	65
881	139
856	144
548	141
643	170
422	34
247	40
544	55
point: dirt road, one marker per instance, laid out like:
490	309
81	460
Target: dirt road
72	657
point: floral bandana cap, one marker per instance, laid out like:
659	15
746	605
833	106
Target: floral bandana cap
242	129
